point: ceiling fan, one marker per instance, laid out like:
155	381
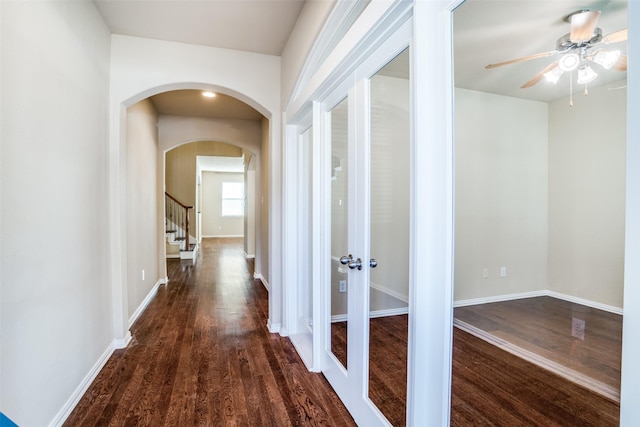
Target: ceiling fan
576	49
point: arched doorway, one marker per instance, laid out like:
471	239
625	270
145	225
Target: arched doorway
147	133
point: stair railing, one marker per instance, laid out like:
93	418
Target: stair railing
177	214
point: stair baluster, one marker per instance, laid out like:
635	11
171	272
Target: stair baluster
177	214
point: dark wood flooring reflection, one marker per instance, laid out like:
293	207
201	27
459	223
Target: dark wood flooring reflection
490	387
387	363
201	355
542	325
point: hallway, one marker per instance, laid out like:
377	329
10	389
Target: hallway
201	354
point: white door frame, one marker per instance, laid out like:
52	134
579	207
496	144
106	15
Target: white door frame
352	384
430	328
431	188
630	387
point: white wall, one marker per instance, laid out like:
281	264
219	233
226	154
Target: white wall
144	223
56	299
176	130
521	171
587	155
213	223
501	186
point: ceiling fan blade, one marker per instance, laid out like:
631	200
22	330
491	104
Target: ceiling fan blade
616	37
583	24
525	58
539	76
621	65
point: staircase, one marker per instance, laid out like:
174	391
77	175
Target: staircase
179	243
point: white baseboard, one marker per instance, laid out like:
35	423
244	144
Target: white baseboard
274	328
77	394
258	276
374	314
561	370
173	256
122	342
388	312
338	318
249	256
147	300
543	293
588	303
498	298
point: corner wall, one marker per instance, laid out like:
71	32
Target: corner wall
55	278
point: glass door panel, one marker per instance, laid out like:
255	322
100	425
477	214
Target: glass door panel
389	184
367	204
339	222
305	295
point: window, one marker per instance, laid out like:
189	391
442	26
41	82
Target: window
232	199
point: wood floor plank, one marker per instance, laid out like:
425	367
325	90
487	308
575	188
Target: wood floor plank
201	355
542	325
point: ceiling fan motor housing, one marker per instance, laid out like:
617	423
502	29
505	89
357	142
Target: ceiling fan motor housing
565	44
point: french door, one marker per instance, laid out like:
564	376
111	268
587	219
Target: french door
366	165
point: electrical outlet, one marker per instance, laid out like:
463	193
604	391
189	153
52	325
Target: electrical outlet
577	328
503	271
485	273
343	286
142	274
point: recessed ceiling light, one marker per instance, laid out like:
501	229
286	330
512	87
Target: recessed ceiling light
208	94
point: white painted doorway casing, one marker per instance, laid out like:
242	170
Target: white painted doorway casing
430	310
430	328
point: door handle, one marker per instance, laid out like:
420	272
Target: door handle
373	263
355	263
344	260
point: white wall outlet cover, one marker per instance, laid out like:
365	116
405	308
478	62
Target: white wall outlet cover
577	328
343	286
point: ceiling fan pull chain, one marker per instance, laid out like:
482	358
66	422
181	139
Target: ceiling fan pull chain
586	89
571	88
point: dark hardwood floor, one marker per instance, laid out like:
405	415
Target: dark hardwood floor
542	325
202	355
490	387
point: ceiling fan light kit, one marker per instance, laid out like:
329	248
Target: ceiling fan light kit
607	58
554	75
586	74
569	62
576	50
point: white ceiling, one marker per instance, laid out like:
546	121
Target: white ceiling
485	31
192	103
261	26
219	164
490	31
